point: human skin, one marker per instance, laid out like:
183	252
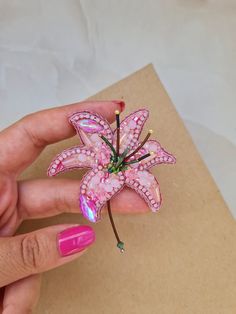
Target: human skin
24	257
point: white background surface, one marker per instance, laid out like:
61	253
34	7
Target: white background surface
61	51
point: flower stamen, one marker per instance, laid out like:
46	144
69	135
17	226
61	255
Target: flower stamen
140	145
139	159
117	112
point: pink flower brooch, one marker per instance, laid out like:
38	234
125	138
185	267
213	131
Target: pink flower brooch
115	159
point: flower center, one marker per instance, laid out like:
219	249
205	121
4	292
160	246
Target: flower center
120	162
117	163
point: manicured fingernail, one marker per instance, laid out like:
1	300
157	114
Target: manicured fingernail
75	239
121	104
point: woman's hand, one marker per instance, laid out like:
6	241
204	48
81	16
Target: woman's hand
24	257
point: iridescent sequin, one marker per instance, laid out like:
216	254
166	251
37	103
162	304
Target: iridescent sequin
89	209
90	126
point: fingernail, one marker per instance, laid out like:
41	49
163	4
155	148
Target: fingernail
121	104
75	239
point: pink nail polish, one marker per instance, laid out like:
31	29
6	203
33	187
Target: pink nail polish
75	239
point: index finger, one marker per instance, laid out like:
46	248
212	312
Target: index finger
22	142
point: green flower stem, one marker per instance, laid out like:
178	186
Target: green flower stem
110	145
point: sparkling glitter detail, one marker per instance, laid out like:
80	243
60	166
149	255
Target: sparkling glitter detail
158	156
90	126
131	128
99	186
146	185
88	208
71	159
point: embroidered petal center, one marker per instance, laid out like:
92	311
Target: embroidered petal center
98	187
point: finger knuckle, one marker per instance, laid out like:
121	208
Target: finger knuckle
32	248
61	202
31	133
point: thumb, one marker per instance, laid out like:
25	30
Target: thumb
41	250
